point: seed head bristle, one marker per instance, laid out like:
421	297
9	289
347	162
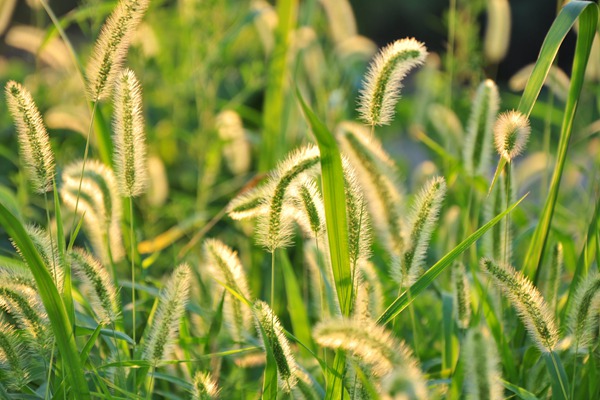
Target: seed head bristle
171	307
205	388
309	203
384	79
274	230
100	204
130	140
421	224
377	175
111	47
482	378
97	283
585	310
34	142
236	148
368	303
48	252
478	141
511	133
462	295
13	358
226	267
528	301
22	303
268	325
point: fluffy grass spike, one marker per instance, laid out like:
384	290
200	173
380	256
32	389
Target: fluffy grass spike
478	141
22	304
462	295
111	47
102	292
383	80
13	358
421	224
311	211
530	305
286	364
34	142
165	325
377	174
205	388
482	368
511	133
99	203
226	267
368	303
130	140
585	310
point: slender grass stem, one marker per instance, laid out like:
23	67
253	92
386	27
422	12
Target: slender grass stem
132	255
51	240
558	374
273	289
506	252
574	369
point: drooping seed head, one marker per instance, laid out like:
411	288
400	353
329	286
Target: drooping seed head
528	301
478	140
585	310
13	358
384	79
272	335
422	221
511	133
205	388
171	307
497	34
48	252
34	142
24	306
98	285
236	148
482	377
226	267
111	47
130	139
462	295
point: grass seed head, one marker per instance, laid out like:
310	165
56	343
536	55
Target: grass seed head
34	142
497	34
482	377
585	310
309	203
165	326
130	140
511	133
13	358
205	387
225	266
462	295
528	301
478	140
102	292
272	333
384	79
111	47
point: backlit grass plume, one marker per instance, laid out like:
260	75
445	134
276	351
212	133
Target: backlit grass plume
226	267
585	310
48	251
511	133
378	177
478	140
130	139
309	203
482	369
528	301
34	142
111	47
368	302
100	204
462	295
165	324
205	388
497	34
384	79
272	333
423	219
24	307
97	284
13	358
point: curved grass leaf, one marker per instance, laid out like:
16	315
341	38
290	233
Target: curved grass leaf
428	277
53	303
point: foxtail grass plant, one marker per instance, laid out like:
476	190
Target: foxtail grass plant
205	388
462	295
482	369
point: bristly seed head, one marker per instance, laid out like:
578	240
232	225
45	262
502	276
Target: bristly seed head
205	388
111	47
482	378
462	295
511	133
530	305
384	79
33	138
130	139
585	307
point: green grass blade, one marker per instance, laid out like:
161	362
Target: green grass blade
296	305
587	13
432	273
558	376
519	391
55	308
273	144
67	291
334	198
90	344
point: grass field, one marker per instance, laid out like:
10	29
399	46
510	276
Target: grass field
240	200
